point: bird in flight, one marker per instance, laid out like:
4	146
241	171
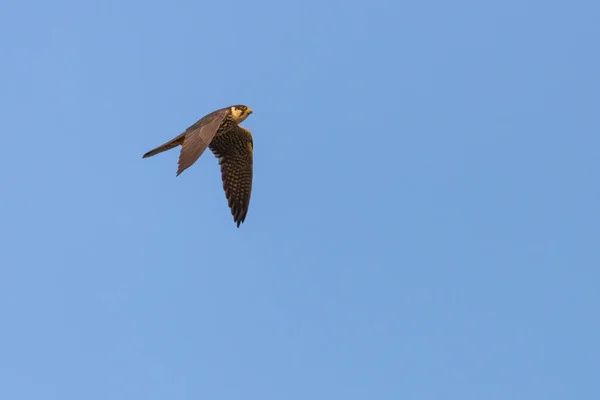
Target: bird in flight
230	143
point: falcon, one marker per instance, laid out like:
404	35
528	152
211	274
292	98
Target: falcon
233	146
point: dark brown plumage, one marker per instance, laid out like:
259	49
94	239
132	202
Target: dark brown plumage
230	143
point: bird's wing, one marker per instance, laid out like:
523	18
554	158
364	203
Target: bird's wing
236	161
197	138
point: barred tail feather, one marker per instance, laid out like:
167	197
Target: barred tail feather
166	146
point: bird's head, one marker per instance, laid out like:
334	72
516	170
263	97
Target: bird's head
240	112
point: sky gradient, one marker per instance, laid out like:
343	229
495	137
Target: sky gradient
424	220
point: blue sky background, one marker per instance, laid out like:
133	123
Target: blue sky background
424	221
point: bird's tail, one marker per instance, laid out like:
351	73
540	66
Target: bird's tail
165	146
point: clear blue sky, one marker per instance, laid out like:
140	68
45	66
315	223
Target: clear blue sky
425	213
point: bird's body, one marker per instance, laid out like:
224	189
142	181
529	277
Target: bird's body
230	143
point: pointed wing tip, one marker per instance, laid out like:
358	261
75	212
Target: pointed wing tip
239	221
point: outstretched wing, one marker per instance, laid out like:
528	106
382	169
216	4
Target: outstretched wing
197	137
235	152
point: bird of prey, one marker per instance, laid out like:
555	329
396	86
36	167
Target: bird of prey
230	143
